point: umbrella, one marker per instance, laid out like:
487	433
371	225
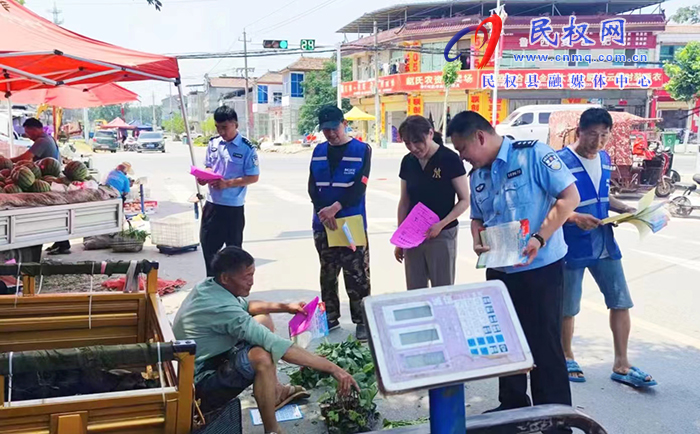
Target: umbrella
358	115
79	96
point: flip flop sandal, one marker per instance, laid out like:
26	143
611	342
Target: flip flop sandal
635	377
293	393
573	368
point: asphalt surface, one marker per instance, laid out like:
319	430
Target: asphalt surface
662	270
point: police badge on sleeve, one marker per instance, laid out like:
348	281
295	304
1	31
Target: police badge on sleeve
552	161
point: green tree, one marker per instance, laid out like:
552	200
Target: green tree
687	15
684	77
449	77
319	91
176	124
209	126
106	112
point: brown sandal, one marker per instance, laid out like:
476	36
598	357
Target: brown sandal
291	393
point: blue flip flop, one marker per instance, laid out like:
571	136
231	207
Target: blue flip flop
635	377
573	368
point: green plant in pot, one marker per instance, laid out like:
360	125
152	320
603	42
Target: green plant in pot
130	240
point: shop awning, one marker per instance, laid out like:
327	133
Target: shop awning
34	52
358	115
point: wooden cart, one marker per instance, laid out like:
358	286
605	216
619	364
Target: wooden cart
58	321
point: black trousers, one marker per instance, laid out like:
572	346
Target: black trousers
221	225
537	296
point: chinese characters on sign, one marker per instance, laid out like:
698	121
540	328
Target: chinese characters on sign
590	79
612	31
415	105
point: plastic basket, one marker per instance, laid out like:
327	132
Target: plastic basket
175	232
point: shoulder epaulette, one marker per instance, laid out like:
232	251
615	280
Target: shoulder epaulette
521	144
246	141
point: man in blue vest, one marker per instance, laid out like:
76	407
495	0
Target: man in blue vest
337	186
592	245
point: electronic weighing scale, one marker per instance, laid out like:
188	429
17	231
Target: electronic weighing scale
439	338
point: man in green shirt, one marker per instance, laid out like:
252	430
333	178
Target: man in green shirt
236	343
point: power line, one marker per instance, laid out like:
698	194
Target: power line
298	16
272	13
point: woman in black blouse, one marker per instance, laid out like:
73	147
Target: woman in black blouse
434	176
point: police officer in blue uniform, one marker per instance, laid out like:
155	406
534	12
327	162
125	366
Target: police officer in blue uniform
233	157
513	181
592	246
337	186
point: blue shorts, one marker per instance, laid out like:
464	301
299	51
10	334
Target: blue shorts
224	377
611	281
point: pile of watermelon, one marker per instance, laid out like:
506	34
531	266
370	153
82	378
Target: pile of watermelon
37	177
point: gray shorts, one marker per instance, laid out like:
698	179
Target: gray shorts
224	377
433	262
609	276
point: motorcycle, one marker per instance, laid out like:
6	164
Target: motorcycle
680	206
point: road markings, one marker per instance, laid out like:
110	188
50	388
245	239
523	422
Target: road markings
691	264
285	195
639	323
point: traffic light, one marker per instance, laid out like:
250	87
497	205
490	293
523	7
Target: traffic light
273	43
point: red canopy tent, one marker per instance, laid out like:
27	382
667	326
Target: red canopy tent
36	53
117	123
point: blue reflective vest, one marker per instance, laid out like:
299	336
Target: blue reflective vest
586	247
332	187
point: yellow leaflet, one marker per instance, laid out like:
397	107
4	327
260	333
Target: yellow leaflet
356	224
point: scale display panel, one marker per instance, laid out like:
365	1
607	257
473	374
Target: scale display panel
440	336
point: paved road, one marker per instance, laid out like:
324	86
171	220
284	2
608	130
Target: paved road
662	271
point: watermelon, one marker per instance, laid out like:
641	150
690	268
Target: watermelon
23	177
63	180
50	166
5	172
35	170
6	163
40	187
50	179
12	189
76	171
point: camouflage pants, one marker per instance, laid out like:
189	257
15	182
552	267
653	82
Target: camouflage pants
355	266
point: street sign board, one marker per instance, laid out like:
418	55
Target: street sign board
448	335
308	44
275	43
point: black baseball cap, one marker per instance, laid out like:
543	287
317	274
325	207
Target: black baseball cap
329	117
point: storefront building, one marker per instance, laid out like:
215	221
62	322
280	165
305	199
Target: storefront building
607	59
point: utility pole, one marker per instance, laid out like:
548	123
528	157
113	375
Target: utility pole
339	79
496	64
245	65
172	123
153	96
377	107
56	12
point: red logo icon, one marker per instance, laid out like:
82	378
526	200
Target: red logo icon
496	27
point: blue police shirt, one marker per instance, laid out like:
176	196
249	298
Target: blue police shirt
119	181
234	159
522	183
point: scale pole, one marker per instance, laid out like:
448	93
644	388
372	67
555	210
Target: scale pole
447	410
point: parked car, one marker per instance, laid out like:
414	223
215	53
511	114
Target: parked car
531	122
151	141
105	140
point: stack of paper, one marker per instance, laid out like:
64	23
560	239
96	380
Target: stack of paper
506	243
649	218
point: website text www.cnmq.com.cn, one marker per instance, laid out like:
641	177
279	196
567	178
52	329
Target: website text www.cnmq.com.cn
607	58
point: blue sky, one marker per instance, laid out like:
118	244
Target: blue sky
184	26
